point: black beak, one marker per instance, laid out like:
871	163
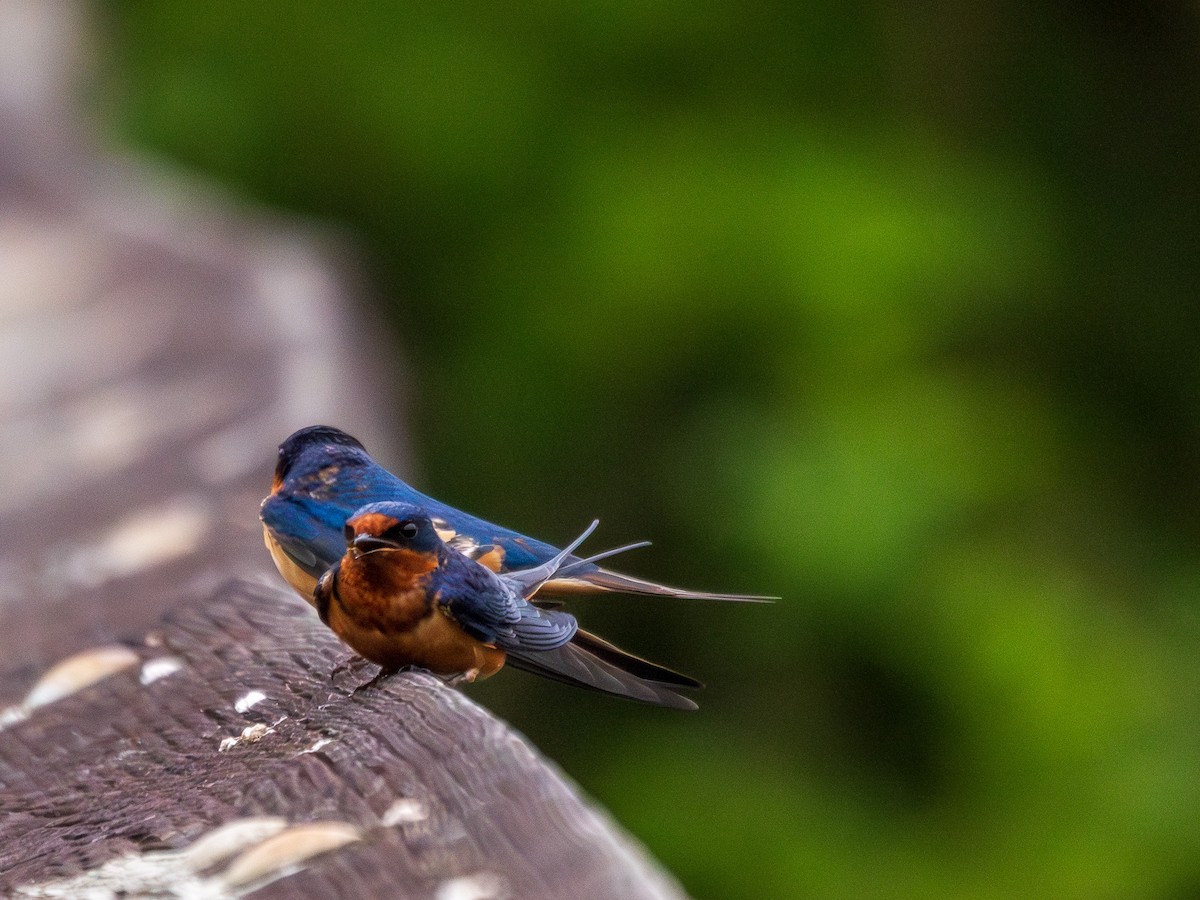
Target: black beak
368	543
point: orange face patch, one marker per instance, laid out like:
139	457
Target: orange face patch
373	524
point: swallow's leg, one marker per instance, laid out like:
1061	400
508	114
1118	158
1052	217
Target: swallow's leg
349	664
383	674
462	678
380	676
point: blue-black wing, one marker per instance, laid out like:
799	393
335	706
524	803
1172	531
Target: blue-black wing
488	610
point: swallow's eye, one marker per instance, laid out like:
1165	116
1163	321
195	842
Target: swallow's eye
348	531
403	530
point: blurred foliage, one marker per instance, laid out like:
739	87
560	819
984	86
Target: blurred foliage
888	310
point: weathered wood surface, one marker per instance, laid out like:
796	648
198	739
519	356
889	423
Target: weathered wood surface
157	346
127	767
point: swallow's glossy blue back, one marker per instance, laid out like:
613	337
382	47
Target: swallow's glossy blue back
327	484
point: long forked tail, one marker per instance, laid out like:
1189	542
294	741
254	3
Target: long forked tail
576	564
563	576
591	662
572	582
528	581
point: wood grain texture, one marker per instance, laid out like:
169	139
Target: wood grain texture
123	767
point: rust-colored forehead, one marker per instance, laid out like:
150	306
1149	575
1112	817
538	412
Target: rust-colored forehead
372	523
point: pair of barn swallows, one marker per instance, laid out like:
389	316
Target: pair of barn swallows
406	580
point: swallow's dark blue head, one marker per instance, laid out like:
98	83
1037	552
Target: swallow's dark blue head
391	525
323	442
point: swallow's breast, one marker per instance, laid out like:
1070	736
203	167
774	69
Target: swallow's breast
384	610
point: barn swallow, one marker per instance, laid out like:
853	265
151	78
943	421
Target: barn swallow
401	596
323	475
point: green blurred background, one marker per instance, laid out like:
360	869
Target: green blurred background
890	311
